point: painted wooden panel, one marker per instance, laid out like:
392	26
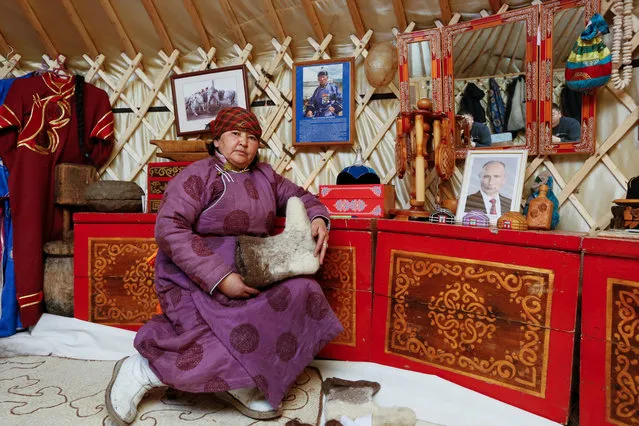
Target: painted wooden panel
496	318
346	278
114	282
609	392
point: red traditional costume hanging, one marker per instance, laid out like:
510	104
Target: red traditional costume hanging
38	130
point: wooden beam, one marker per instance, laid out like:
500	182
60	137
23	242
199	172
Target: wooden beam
503	49
495	5
72	13
311	15
356	18
112	16
197	23
490	53
160	28
234	24
37	26
521	33
400	15
446	13
5	49
274	19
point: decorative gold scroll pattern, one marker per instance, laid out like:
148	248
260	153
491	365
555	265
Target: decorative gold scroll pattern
154	206
622	352
121	287
337	277
165	171
486	320
157	186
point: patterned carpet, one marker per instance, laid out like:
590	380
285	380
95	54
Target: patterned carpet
37	390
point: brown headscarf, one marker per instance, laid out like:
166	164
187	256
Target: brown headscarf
235	118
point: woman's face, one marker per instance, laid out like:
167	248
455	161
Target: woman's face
238	147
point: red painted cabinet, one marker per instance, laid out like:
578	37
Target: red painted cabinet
347	280
609	370
113	282
492	311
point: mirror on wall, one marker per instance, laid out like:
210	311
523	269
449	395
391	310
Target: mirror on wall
490	74
566	117
419	68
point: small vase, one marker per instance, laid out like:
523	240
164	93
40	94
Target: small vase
540	211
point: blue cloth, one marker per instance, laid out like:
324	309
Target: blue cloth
535	193
497	107
9	313
9	316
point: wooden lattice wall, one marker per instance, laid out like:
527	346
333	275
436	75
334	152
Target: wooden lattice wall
585	185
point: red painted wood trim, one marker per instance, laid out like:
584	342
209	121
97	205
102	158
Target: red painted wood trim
123	218
617	247
553	240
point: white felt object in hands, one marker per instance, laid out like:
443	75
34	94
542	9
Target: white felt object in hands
263	261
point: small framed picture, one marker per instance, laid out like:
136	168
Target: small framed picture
493	182
323	111
199	96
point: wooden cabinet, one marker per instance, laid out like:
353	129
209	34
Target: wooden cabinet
347	280
113	282
609	385
158	176
491	311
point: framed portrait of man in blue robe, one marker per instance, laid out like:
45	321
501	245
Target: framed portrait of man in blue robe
323	103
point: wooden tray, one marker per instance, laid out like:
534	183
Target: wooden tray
180	146
184	156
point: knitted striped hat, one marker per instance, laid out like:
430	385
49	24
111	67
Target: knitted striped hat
235	118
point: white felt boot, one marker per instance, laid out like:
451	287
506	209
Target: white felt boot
263	261
132	378
251	403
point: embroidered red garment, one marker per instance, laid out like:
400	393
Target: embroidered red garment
38	130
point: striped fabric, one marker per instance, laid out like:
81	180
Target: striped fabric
235	118
589	64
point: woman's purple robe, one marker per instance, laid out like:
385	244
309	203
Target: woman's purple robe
204	341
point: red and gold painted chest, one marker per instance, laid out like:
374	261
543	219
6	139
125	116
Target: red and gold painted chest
609	385
347	280
114	280
491	311
358	201
113	283
158	176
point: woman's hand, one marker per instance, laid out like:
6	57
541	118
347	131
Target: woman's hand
320	233
233	287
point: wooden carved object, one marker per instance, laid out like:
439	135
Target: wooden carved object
425	128
540	210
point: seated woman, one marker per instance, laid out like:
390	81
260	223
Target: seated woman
216	334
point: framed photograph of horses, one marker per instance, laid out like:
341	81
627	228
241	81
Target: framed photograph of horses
199	96
323	112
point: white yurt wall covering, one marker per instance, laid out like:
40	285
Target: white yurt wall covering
139	80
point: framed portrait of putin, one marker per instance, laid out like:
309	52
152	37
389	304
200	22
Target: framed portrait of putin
323	111
493	183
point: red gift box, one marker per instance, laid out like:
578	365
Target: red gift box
358	200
